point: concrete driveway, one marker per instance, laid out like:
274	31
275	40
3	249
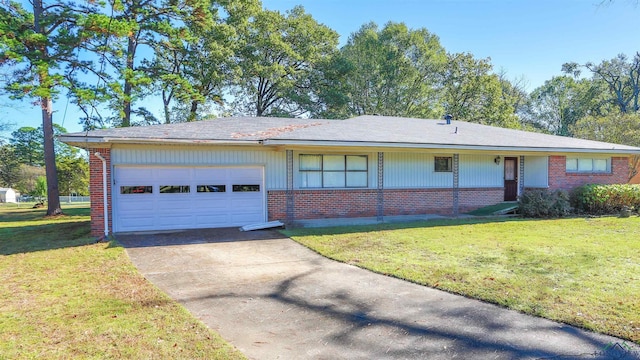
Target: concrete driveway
275	299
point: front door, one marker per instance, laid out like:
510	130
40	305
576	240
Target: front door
510	179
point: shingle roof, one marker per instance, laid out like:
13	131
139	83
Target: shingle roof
371	131
234	128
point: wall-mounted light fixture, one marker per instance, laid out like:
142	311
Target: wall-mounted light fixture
497	160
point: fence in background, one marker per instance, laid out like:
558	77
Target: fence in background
74	199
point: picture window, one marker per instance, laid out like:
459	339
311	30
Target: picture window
333	171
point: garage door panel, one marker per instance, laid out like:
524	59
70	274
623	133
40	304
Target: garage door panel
171	176
174	220
216	220
138	206
217	205
245	203
137	222
125	173
174	204
214	206
240	219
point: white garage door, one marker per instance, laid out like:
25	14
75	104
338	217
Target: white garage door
167	198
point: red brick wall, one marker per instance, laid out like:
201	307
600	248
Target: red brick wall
276	205
319	204
475	198
559	178
95	189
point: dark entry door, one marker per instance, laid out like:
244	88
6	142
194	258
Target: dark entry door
510	179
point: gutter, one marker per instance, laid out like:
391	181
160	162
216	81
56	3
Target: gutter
492	148
84	141
104	194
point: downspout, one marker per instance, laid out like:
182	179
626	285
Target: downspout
104	194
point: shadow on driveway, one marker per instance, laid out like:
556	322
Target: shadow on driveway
189	237
275	299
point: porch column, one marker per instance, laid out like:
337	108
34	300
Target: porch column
521	177
456	185
289	192
380	204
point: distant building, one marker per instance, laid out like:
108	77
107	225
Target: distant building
7	195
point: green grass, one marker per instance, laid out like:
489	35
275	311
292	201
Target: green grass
584	272
64	296
490	210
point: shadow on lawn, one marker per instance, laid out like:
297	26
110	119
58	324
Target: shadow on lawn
349	229
29	214
31	238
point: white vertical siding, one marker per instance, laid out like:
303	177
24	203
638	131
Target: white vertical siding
413	170
536	171
480	171
274	162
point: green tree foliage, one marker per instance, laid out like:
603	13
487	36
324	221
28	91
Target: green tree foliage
40	190
27	178
27	144
514	93
278	59
621	76
471	92
560	102
137	30
9	166
196	67
39	51
73	175
391	71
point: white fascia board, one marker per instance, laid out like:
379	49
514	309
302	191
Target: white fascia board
85	142
519	149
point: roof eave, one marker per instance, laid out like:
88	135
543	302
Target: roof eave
497	148
87	142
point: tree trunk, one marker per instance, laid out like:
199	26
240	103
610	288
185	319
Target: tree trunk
53	194
126	108
193	111
166	99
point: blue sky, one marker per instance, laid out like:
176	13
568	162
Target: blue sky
526	38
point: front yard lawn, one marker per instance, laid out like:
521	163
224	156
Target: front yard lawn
63	296
581	271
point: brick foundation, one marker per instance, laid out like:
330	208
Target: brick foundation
560	179
95	190
322	204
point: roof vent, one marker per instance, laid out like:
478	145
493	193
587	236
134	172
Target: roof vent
448	117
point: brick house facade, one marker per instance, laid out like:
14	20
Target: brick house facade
337	203
173	176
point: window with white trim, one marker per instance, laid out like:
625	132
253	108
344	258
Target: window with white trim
333	171
588	165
